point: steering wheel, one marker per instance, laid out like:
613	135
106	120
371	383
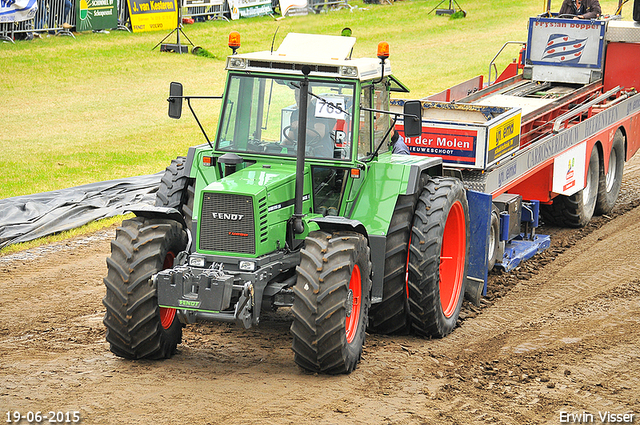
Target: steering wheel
567	15
315	136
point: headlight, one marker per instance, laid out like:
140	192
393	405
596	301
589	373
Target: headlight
248	266
236	63
349	71
196	261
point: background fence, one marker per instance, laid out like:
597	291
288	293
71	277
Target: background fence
49	19
52	15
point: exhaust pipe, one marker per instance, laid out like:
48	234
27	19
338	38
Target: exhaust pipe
298	224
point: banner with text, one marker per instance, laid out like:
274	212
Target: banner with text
456	146
96	14
153	15
17	10
249	8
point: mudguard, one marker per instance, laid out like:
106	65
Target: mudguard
149	211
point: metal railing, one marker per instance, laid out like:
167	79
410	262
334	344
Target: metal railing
52	14
49	20
209	10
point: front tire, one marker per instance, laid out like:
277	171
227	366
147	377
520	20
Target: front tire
332	299
391	315
176	189
137	328
609	184
438	257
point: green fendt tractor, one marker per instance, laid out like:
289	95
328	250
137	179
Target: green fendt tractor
298	202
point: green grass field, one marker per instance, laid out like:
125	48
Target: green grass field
94	108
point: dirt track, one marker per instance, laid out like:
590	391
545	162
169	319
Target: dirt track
559	336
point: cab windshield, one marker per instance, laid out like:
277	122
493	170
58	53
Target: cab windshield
260	115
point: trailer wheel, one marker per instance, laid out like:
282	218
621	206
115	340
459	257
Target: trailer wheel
576	210
137	328
438	257
391	315
176	189
331	304
494	240
609	184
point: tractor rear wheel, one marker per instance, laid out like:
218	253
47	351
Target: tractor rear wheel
176	189
576	210
438	257
137	328
609	184
331	304
391	315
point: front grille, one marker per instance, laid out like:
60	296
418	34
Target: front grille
262	211
227	223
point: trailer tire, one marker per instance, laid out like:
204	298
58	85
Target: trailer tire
494	240
332	299
391	315
137	328
609	184
438	257
576	210
176	189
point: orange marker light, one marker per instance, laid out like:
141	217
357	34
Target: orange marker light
234	40
355	173
383	50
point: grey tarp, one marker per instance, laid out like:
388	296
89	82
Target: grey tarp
24	218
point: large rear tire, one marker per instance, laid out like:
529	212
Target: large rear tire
332	299
438	257
576	210
137	328
609	184
391	315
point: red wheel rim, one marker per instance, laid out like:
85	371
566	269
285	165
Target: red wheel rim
167	314
354	297
454	241
166	317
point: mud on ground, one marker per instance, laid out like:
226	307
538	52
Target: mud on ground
558	336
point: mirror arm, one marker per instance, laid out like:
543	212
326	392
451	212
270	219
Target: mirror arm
395	114
375	153
196	117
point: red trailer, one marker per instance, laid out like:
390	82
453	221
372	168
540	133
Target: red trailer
550	135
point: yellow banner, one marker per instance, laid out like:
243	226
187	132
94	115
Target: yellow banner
153	15
504	137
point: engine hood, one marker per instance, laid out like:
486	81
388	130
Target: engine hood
255	179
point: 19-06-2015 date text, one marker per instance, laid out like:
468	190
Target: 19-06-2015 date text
53	417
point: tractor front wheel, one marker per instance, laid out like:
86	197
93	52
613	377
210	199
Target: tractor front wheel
176	189
438	257
391	315
137	328
332	299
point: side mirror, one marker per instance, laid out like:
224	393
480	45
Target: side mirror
175	100
412	118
